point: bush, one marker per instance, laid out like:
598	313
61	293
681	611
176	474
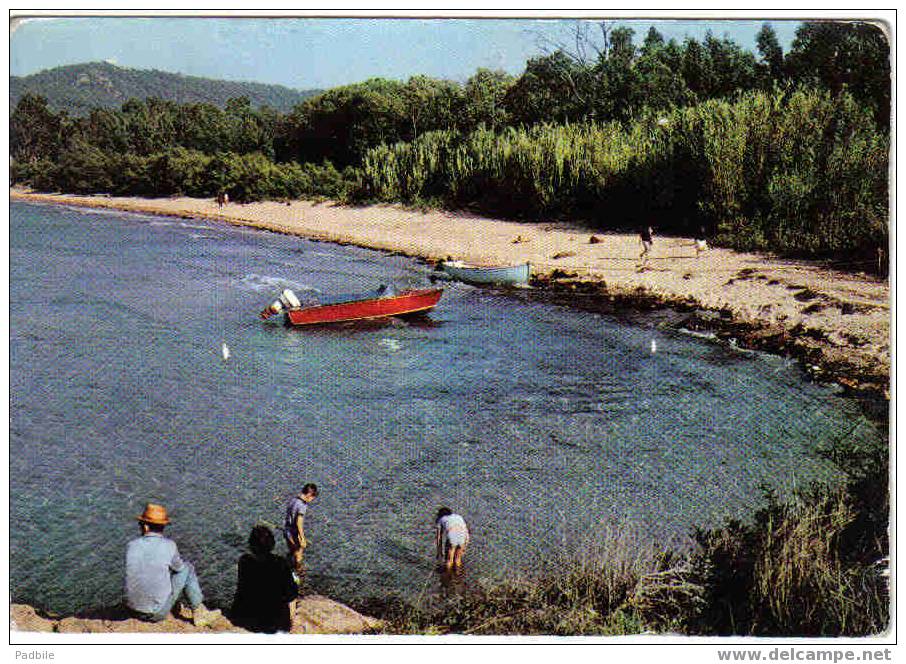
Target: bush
788	573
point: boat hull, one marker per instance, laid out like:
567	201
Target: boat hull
509	275
404	304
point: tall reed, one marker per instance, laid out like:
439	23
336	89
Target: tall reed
794	171
801	583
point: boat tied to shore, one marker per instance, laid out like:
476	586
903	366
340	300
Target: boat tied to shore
383	302
495	275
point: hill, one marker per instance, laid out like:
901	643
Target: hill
79	88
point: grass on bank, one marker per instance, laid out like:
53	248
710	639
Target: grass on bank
793	571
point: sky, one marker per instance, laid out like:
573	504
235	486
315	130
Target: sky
309	53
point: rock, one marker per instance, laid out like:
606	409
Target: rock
594	239
171	625
316	614
24	618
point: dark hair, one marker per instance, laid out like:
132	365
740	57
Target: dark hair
261	540
442	512
154	527
310	488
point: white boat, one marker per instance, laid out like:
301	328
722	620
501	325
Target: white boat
501	275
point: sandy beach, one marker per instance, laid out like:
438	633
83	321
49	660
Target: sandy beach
837	323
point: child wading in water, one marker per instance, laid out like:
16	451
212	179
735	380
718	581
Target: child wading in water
451	538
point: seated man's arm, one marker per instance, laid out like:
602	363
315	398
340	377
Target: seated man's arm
176	561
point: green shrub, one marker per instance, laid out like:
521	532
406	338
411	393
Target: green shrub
790	573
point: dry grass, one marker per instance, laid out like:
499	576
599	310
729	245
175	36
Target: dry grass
788	573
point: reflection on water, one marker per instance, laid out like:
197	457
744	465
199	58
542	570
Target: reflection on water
545	427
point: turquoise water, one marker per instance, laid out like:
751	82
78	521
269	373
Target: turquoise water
544	426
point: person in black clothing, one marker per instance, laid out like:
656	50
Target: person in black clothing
646	237
265	587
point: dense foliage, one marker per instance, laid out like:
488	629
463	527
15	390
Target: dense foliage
772	152
77	89
795	171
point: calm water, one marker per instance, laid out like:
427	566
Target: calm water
544	426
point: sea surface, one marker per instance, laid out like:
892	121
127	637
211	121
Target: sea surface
549	429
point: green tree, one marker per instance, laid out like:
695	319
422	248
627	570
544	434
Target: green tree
105	129
430	104
203	127
654	42
659	73
83	168
732	69
696	70
151	125
483	100
343	123
618	89
249	130
553	88
771	56
35	131
852	55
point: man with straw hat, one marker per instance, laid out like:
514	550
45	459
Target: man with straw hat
156	575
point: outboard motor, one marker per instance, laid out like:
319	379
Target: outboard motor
287	300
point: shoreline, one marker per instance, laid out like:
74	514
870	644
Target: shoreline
314	614
836	324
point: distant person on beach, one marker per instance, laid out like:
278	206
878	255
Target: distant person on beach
646	237
294	522
156	575
701	242
451	538
265	588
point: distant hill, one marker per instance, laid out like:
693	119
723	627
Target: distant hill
79	88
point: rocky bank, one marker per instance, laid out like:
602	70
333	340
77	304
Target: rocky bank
314	614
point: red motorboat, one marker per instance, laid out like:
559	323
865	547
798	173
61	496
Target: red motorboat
383	302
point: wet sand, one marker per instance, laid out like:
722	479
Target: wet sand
837	323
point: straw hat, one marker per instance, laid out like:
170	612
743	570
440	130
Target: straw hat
154	514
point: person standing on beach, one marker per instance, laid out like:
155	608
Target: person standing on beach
646	237
294	525
451	538
156	575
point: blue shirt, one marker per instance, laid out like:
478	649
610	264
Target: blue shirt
150	560
297	507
